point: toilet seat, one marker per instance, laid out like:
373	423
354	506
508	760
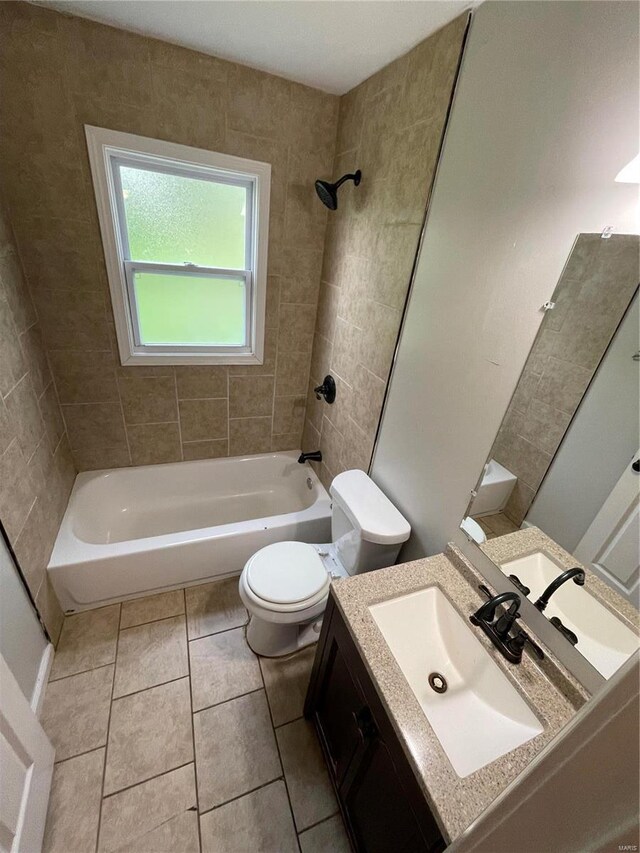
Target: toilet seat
286	577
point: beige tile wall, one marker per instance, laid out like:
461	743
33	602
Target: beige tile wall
592	295
390	127
36	468
60	73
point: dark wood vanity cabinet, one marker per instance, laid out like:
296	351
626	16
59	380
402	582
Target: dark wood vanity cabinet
380	799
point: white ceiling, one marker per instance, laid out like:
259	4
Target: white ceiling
330	44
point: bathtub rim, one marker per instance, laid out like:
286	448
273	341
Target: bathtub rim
70	550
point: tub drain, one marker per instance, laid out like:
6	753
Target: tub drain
438	682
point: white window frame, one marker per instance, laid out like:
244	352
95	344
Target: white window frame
108	149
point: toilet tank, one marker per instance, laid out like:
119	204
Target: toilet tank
366	528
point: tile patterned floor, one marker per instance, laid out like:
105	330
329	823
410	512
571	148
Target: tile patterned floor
496	525
171	735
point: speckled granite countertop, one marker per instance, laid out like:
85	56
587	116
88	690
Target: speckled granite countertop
521	543
553	695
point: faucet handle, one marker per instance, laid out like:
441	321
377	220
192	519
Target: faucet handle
515	580
327	389
566	632
518	642
504	623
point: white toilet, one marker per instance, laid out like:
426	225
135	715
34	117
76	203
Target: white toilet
285	586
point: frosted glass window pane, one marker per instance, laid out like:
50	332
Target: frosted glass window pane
190	310
173	219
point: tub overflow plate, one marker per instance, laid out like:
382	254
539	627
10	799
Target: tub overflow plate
438	682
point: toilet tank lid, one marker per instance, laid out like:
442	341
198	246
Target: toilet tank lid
369	509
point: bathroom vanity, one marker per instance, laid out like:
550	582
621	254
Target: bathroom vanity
408	775
380	798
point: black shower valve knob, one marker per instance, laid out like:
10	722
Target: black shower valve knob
326	390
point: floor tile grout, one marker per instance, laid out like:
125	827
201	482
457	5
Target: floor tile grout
151	687
284	778
244	794
321	821
153	622
82	671
106	747
213	633
185	615
80	754
230	699
147	779
288	722
193	731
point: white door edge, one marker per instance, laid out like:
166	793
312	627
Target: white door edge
40	687
29	769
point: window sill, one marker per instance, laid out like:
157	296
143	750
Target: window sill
178	360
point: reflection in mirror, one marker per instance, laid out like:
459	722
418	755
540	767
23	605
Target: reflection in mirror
560	490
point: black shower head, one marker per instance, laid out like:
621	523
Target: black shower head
328	193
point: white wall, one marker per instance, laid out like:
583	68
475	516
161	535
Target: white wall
22	640
598	445
545	115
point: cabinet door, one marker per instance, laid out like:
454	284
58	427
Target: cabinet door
378	811
338	705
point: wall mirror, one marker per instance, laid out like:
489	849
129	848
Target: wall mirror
557	506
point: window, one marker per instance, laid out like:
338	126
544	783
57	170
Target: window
185	240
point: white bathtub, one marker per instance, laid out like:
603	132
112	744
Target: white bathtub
134	531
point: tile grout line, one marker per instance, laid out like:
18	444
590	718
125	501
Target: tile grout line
287	722
177	402
151	687
213	633
193	761
192	720
120	630
228	402
244	794
273	728
321	821
144	781
152	622
83	671
106	746
80	754
226	701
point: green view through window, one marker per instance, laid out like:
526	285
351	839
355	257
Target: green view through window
185	236
178	222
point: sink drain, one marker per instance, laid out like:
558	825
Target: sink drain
438	682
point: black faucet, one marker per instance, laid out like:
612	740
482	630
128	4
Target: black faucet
327	389
578	577
485	614
499	629
314	456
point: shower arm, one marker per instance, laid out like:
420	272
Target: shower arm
352	177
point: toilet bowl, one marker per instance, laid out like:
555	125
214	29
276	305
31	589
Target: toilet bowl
285	586
473	530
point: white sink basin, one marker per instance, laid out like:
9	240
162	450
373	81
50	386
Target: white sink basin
481	716
603	639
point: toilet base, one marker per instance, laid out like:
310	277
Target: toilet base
273	640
